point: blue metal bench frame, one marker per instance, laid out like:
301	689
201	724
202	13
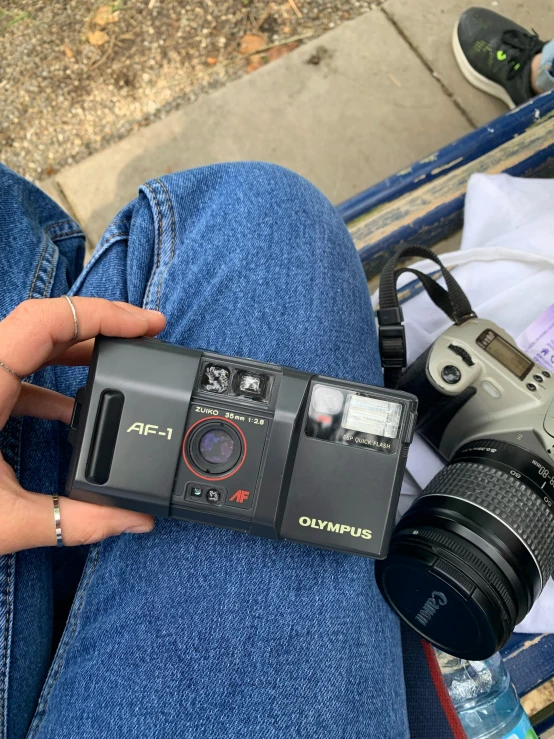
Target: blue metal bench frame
423	204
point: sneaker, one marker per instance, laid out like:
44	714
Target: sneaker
495	54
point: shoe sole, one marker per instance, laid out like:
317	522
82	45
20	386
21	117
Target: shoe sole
474	78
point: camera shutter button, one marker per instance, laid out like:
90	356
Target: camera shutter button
451	374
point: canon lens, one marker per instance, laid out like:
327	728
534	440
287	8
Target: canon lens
471	556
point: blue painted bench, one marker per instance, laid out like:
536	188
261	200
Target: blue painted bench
423	204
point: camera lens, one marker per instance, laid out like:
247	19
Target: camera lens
216	446
469	559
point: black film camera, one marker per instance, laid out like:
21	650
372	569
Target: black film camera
472	555
232	442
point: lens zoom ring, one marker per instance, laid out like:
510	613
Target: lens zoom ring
506	498
446	541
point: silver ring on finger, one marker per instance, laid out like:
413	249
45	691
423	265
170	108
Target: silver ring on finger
8	369
57	520
75	320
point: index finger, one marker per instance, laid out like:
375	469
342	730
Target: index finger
38	330
80	354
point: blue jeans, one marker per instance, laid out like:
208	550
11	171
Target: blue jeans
193	631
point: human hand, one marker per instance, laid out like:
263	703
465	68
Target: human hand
37	333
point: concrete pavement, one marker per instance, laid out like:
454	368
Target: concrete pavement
385	93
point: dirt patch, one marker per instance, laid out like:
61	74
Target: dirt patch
76	76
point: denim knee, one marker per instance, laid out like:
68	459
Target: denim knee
270	212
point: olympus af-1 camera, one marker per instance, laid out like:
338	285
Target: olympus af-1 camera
231	442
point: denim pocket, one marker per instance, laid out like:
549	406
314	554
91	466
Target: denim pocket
60	258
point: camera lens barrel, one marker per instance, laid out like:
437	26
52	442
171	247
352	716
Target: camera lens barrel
214	447
469	559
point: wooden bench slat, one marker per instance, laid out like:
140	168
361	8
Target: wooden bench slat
434	211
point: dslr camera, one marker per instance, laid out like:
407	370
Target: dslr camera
471	556
231	442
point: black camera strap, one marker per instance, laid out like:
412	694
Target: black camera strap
392	337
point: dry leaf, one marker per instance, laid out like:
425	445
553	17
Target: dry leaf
68	51
250	43
212	60
278	51
105	15
269	55
97	38
255	62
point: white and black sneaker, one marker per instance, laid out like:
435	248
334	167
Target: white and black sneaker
495	54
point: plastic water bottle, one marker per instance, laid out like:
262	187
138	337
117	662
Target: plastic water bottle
485	699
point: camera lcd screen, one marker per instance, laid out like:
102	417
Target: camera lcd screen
507	355
372	416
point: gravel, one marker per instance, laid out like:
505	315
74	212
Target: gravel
64	98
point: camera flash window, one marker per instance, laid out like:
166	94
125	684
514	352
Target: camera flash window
372	416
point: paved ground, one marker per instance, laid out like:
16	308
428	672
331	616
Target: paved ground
385	92
78	75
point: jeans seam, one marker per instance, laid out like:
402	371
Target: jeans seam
3	685
70	235
46	241
9	576
42	707
39	265
49	278
116	236
59	223
97	254
159	244
67	235
18	443
173	243
18	433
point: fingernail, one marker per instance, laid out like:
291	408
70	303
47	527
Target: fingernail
158	312
140	529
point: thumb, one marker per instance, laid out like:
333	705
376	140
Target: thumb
81	523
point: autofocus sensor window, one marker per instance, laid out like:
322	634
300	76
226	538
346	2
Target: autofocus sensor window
327	400
215	378
214	447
